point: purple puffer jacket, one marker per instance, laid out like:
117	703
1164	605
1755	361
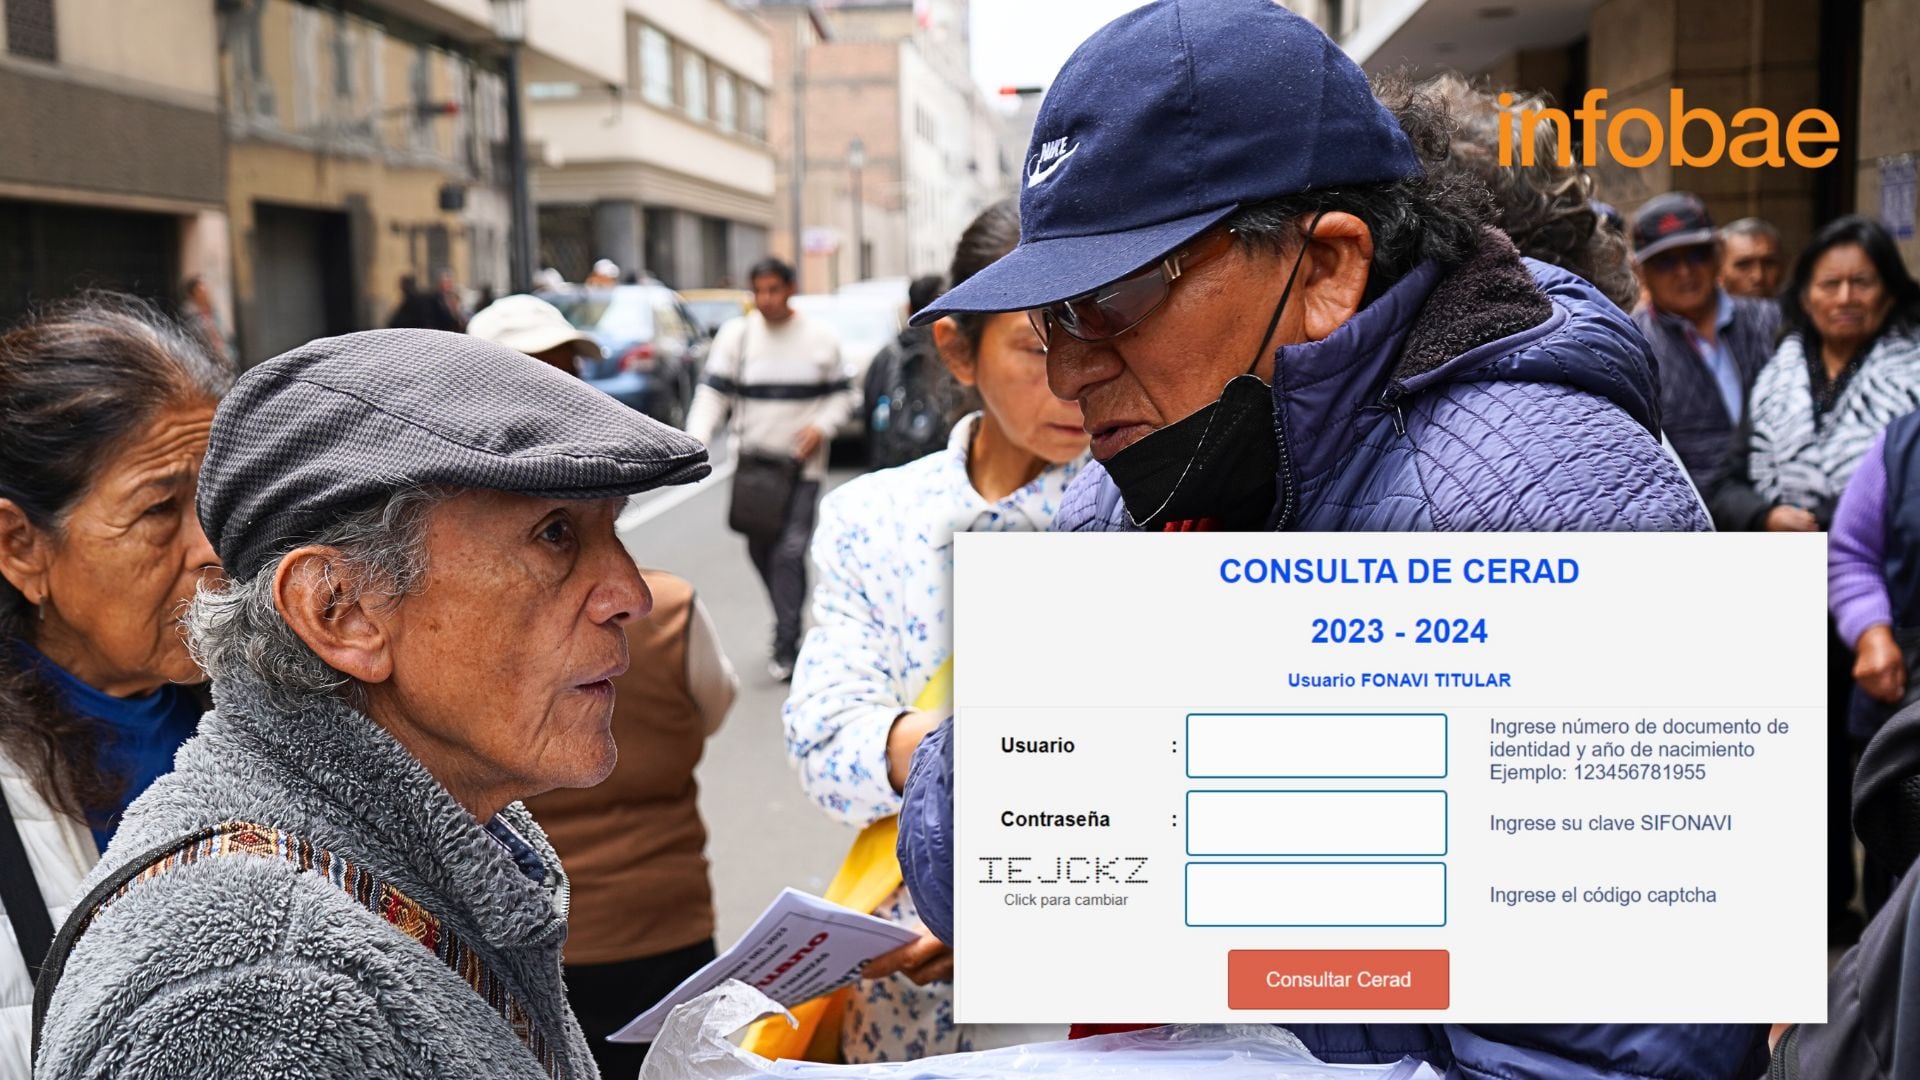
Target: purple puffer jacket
1506	395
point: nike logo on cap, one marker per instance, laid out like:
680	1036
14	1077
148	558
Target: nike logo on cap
1038	175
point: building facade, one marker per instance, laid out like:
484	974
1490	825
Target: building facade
367	145
364	148
114	172
892	76
1852	59
667	171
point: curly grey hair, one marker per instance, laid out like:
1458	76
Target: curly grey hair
1546	207
234	627
1435	216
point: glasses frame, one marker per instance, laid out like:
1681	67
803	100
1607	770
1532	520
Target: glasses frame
1168	270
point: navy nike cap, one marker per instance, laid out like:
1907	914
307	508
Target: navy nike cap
1162	124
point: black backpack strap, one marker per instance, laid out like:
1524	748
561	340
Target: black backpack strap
20	895
82	914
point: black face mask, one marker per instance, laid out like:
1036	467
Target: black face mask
1221	464
1218	464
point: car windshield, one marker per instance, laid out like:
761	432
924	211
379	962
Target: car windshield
616	315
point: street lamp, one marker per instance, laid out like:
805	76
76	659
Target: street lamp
510	26
857	160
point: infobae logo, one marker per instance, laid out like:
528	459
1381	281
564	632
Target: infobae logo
1753	139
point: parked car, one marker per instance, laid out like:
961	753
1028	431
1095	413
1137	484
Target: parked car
713	307
654	346
865	325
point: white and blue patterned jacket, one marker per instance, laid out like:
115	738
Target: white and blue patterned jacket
883	552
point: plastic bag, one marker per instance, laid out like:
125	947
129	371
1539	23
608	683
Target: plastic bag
694	1046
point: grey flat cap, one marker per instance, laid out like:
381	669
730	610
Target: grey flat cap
315	432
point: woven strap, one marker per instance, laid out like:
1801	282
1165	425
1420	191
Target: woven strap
370	892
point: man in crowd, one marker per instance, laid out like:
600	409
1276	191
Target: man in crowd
446	311
1710	345
641	918
1272	318
412	312
776	379
909	398
604	275
1750	263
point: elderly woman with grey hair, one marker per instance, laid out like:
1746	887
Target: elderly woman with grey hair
104	409
424	610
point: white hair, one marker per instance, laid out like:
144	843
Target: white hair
1751	226
234	628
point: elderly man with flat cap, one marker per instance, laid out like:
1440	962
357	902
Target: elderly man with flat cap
1275	316
424	609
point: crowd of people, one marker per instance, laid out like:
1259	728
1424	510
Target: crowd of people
298	662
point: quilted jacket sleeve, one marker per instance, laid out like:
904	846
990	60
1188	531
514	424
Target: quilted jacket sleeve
1479	455
925	846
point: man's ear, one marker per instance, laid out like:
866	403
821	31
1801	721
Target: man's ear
335	619
955	351
1333	277
26	552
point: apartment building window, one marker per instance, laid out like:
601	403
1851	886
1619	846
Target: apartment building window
30	28
753	111
253	91
725	114
342	49
656	66
693	84
420	89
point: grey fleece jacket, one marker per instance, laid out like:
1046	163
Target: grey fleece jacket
243	966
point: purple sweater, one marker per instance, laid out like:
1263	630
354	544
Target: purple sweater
1856	549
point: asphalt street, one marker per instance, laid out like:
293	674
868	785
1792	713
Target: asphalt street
762	831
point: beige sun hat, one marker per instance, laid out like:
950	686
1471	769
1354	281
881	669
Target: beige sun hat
530	325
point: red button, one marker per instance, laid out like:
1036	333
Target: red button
1337	979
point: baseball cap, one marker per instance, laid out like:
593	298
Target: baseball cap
529	324
316	432
1665	222
1162	124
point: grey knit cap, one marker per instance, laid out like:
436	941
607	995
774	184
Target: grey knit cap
320	430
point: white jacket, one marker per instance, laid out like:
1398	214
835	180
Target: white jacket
883	556
61	851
